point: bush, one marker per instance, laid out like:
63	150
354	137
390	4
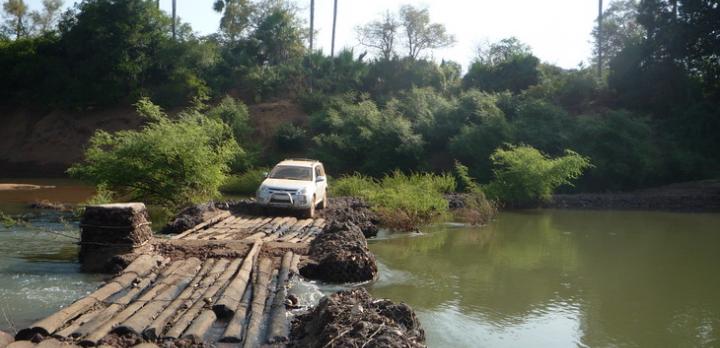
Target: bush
478	210
622	148
361	137
290	138
543	125
402	201
167	162
524	175
246	183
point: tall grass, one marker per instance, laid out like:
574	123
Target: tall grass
402	201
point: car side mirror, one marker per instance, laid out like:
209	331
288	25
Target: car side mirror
320	179
266	174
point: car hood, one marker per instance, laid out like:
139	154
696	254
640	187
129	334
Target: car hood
285	184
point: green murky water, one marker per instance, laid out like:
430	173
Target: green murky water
561	279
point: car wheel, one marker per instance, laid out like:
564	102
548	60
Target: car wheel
310	212
324	203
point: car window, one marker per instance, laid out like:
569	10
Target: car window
318	172
291	173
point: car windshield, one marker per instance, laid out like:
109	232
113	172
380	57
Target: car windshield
292	173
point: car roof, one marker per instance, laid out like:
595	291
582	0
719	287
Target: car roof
300	162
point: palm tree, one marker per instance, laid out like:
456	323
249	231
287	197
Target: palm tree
332	45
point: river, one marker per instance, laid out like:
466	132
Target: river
554	278
546	278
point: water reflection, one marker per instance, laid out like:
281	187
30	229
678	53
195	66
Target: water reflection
561	278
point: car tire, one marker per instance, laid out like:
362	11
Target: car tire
324	203
310	212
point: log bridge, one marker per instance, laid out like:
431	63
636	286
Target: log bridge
222	282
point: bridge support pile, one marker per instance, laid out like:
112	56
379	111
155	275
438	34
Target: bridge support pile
111	230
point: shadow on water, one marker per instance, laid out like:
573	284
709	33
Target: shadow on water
561	279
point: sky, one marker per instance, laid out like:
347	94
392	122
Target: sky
558	31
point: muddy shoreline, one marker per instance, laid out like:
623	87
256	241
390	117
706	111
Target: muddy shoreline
699	196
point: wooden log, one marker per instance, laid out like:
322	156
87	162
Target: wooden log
257	307
278	331
228	301
21	344
256	236
5	339
234	330
200	326
93	337
294	264
214	229
204	293
144	317
85	318
153	331
141	266
54	343
215	219
110	311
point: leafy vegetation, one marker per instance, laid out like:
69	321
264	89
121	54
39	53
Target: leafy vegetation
246	183
646	114
168	162
402	201
524	175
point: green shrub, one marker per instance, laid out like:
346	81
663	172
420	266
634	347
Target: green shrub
167	162
361	137
478	210
246	183
402	201
462	176
290	138
524	175
622	148
235	114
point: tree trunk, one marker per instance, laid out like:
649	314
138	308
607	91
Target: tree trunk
332	45
174	18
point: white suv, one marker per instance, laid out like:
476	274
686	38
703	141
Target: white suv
295	184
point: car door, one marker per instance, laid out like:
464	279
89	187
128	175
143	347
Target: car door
321	186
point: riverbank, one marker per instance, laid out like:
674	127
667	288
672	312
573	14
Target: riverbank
697	196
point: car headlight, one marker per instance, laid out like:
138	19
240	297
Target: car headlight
263	190
302	191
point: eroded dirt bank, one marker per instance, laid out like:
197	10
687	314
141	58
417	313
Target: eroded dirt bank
41	143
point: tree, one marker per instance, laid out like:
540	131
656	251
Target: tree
380	35
169	162
45	21
420	34
235	17
684	33
16	11
332	44
502	51
126	39
504	65
619	29
362	137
